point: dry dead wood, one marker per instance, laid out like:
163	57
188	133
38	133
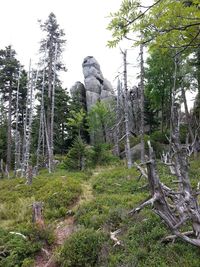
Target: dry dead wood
175	207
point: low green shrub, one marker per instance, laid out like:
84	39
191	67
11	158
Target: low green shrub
81	249
15	250
103	155
160	137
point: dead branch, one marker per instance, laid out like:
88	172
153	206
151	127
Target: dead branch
19	234
142	170
146	203
113	237
175	207
172	238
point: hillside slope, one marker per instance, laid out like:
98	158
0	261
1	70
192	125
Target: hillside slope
85	209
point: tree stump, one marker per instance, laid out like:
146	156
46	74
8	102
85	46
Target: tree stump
37	214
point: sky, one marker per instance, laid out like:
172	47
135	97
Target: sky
84	23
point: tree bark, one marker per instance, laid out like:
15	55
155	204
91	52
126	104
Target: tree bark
17	137
9	137
142	102
128	149
37	214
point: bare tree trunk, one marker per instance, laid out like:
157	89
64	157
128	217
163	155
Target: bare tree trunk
23	165
52	109
37	214
2	168
175	207
9	137
49	100
187	114
41	136
142	102
17	137
48	144
117	131
128	149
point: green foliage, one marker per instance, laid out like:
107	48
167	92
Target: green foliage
116	192
76	120
102	155
176	26
15	250
101	118
159	84
3	140
161	137
81	249
82	156
57	191
78	155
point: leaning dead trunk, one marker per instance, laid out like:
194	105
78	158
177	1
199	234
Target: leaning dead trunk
175	207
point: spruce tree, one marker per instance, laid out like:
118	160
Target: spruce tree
51	48
9	75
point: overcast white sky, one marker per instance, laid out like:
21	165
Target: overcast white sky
84	23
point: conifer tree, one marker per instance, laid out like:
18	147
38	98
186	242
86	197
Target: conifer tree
51	48
9	72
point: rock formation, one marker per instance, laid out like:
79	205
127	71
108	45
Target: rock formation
78	94
97	87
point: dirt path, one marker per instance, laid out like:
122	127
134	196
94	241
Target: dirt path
63	229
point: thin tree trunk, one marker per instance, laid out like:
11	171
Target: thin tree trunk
117	132
41	136
128	149
9	138
187	114
17	137
49	101
23	167
52	108
48	145
142	102
173	93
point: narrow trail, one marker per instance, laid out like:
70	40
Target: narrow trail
64	228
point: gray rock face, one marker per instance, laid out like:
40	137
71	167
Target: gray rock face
78	93
135	152
97	87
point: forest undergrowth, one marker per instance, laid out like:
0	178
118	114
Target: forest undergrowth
81	210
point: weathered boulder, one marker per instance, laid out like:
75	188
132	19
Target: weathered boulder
92	98
135	152
92	68
97	87
107	91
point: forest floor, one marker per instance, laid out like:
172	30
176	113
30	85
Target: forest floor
64	228
81	210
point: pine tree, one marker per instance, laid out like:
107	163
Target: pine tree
51	48
9	72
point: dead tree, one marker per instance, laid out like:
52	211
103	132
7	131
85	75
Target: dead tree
51	137
116	132
142	101
41	137
127	131
17	135
28	124
37	214
175	207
